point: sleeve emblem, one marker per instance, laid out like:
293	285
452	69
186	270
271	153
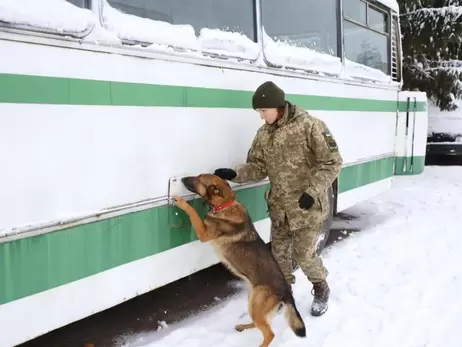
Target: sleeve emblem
331	143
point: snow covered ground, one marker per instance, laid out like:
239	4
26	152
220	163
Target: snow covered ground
396	283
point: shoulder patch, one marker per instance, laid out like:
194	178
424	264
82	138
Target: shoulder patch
331	143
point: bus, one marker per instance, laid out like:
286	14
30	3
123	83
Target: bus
105	104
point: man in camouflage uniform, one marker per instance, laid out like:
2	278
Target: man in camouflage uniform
301	159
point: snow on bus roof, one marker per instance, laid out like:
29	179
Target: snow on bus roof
392	4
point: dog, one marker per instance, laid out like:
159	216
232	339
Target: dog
232	233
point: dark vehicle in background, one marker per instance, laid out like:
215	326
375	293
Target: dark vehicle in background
444	149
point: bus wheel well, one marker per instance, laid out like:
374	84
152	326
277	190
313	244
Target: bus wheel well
335	195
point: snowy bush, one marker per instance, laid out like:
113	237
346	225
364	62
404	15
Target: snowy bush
432	49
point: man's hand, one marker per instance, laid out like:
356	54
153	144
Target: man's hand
226	174
306	201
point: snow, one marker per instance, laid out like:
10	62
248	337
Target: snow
289	55
117	27
362	71
393	4
395	283
284	54
133	28
55	15
225	42
448	122
454	11
99	35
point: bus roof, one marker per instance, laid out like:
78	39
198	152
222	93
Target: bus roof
392	4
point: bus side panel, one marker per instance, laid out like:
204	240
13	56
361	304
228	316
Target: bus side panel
93	135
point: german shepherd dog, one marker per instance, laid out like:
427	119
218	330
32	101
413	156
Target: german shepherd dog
232	233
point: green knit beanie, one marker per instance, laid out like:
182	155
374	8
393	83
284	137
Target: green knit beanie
268	95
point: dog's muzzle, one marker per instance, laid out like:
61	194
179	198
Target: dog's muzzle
190	183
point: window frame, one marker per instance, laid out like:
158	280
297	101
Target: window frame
340	45
378	8
31	30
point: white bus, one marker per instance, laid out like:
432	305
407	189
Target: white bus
103	102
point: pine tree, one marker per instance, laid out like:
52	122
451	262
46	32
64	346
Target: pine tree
432	49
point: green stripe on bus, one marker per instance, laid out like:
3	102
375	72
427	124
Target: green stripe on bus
405	166
355	176
35	264
31	265
29	89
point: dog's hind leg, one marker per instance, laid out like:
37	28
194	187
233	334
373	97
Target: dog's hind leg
268	334
242	327
263	305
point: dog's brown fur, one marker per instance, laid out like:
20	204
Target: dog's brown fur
231	232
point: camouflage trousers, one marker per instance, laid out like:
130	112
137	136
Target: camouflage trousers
300	244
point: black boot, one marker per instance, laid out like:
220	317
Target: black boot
321	297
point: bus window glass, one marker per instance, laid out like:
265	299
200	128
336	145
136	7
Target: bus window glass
302	35
367	47
78	3
184	24
377	20
355	10
305	23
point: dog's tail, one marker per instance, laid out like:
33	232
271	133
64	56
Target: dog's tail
293	317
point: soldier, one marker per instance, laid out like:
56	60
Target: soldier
301	159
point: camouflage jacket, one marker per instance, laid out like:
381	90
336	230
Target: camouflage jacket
298	154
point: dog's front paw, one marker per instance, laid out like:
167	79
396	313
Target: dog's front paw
181	203
239	327
242	327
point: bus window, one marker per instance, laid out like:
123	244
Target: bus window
377	20
306	31
70	18
224	15
80	3
307	23
368	43
355	10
